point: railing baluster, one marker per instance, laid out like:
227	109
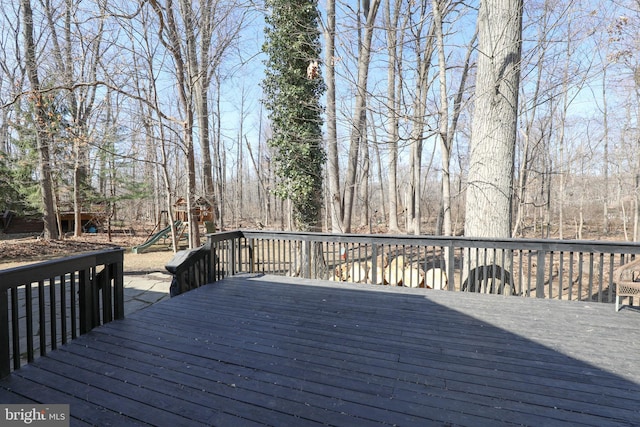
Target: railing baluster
28	294
241	245
550	286
484	271
561	276
451	268
105	286
118	290
15	323
42	332
86	301
540	274
600	275
95	303
233	257
518	288
52	312
374	264
5	355
610	282
591	261
570	275
74	312
63	308
252	256
580	268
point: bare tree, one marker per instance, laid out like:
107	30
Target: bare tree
214	30
358	127
488	209
79	99
448	121
424	57
42	137
394	67
535	129
188	35
333	165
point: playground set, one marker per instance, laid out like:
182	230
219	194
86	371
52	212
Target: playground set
162	230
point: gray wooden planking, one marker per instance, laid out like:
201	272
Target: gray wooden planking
284	351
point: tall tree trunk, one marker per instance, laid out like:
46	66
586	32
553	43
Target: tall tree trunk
605	149
376	148
364	186
393	52
218	152
239	196
449	122
494	125
424	60
527	149
202	110
443	131
561	139
43	138
333	165
194	228
358	129
636	173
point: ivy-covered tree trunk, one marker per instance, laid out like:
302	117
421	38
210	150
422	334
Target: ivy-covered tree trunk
292	89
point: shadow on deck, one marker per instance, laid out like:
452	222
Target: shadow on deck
280	351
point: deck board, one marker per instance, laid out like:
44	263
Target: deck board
283	351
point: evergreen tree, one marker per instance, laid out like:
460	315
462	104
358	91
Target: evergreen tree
292	89
9	195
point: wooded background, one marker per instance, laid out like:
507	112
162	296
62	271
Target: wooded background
138	102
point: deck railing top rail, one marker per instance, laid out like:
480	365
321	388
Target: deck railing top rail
17	276
595	246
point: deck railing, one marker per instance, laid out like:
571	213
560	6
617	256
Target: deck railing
558	269
196	267
46	304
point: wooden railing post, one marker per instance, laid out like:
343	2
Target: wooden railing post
211	263
103	284
232	257
240	259
118	290
85	301
540	273
451	272
252	256
306	273
374	263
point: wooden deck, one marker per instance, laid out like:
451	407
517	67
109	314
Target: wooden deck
288	352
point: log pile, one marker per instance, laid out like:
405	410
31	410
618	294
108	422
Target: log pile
398	272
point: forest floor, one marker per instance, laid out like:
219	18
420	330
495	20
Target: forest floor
22	249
